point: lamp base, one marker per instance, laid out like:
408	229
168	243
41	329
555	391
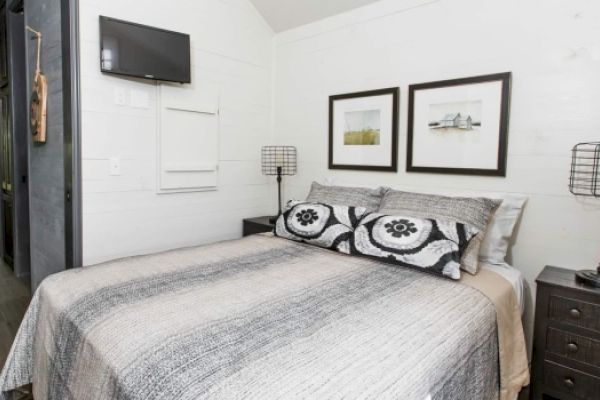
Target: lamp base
590	278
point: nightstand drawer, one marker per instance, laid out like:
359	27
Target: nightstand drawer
574	312
573	347
570	381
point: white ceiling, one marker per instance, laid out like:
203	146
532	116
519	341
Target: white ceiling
286	14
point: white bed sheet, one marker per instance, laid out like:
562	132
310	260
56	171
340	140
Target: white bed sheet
512	275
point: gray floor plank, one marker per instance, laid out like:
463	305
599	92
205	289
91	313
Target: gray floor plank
14	300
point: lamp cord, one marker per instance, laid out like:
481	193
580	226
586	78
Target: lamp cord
279	170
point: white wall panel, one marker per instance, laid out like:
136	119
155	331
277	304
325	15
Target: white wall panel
188	137
232	68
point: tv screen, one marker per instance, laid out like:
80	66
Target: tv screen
143	51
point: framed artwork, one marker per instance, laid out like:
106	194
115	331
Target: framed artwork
363	130
459	126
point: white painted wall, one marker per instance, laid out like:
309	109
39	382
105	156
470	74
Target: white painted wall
123	215
553	50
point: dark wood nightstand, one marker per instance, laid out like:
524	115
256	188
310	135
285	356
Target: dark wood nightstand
566	344
258	225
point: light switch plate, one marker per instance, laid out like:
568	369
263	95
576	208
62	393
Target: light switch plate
114	166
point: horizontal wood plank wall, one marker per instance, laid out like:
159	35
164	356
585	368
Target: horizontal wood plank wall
123	215
554	54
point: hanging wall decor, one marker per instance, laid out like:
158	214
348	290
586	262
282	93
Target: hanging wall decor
459	126
363	130
39	97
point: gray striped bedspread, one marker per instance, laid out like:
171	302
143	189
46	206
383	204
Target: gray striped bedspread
256	318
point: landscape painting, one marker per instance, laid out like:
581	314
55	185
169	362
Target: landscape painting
455	117
362	128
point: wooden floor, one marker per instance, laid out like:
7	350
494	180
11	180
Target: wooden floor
14	299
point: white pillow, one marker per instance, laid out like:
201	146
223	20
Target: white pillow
500	230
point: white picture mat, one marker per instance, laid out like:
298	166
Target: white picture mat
373	155
458	150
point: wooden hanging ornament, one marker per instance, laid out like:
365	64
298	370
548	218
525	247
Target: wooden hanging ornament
39	97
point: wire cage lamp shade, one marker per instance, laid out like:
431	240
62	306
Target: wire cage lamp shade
585	181
585	170
279	160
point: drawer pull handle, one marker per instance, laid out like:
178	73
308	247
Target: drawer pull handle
569	383
572	347
575	313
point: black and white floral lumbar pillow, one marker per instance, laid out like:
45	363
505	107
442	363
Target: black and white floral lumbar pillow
319	224
433	245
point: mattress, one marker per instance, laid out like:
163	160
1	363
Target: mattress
513	276
256	318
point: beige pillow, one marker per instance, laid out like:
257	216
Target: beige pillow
346	196
470	259
474	211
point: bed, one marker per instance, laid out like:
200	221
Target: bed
267	318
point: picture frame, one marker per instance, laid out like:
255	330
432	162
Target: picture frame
459	126
363	130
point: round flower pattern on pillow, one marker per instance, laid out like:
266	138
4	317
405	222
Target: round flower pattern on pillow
401	227
399	232
307	219
307	216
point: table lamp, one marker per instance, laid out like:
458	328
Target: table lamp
585	181
279	161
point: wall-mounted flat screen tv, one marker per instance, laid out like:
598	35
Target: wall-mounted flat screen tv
143	51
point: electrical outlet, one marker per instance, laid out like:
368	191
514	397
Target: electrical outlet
114	167
120	97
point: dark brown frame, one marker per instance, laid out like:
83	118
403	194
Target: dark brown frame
505	78
395	92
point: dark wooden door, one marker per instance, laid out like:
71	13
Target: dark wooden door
6	170
3	47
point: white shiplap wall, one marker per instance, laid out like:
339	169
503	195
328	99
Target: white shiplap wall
123	215
553	51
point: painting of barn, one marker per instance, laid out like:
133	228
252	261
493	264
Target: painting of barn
455	117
